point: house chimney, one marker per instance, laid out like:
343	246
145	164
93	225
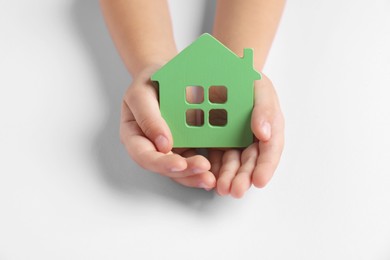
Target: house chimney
248	61
248	56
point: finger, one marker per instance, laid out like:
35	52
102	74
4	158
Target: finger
143	102
181	151
242	182
204	180
187	152
143	151
265	107
196	162
269	154
126	127
196	165
230	165
215	157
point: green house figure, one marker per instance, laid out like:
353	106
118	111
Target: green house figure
207	66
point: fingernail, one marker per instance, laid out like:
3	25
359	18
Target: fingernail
203	185
266	129
176	170
161	142
196	170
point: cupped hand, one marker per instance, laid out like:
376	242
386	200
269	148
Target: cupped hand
237	169
148	140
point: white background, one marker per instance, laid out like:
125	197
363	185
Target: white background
69	191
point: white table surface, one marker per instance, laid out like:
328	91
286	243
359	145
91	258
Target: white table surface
69	191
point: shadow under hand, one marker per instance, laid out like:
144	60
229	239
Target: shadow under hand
116	168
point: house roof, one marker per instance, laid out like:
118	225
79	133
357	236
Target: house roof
207	53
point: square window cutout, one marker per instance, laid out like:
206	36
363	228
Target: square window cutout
218	94
195	117
218	117
194	94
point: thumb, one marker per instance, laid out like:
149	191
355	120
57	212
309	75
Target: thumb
143	103
261	124
265	108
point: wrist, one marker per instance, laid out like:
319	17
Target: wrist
152	63
145	71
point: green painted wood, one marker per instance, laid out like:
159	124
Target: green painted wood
207	62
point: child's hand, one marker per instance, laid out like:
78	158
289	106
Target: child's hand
237	169
148	139
146	135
